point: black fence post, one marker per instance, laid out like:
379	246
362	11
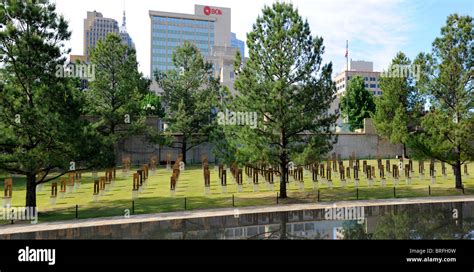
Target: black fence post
133	207
394	192
429	190
357	193
12	216
185	203
77	211
233	201
319	195
278	195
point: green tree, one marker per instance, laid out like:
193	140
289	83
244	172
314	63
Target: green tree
432	224
41	131
115	95
446	131
352	230
401	105
151	105
357	103
289	89
190	97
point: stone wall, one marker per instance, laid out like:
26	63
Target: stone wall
365	145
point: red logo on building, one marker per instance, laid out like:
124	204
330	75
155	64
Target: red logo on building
214	11
207	10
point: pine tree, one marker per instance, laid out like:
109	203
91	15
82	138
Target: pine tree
115	96
41	131
401	105
446	131
289	89
190	97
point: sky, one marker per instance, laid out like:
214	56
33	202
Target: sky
376	29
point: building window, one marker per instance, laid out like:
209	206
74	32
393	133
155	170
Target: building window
232	74
366	85
373	86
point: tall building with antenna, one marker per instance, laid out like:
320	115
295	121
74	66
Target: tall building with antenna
124	34
96	28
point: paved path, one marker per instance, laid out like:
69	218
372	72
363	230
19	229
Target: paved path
12	229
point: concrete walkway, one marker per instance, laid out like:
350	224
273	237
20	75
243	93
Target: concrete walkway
12	229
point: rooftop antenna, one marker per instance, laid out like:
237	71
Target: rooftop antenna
347	55
124	19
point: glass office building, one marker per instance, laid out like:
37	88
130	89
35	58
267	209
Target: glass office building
236	43
209	28
170	32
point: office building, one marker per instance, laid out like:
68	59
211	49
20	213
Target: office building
171	30
96	28
363	69
223	58
236	43
209	28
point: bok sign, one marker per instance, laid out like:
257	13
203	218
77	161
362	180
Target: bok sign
212	11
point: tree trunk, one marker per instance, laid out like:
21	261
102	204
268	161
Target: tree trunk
457	168
458	175
283	166
404	151
283	171
31	190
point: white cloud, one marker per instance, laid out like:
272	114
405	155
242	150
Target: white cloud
376	30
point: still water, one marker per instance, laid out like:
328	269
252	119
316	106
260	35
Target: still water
419	221
414	221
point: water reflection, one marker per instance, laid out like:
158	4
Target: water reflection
428	222
421	221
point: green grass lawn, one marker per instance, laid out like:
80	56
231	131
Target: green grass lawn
157	198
